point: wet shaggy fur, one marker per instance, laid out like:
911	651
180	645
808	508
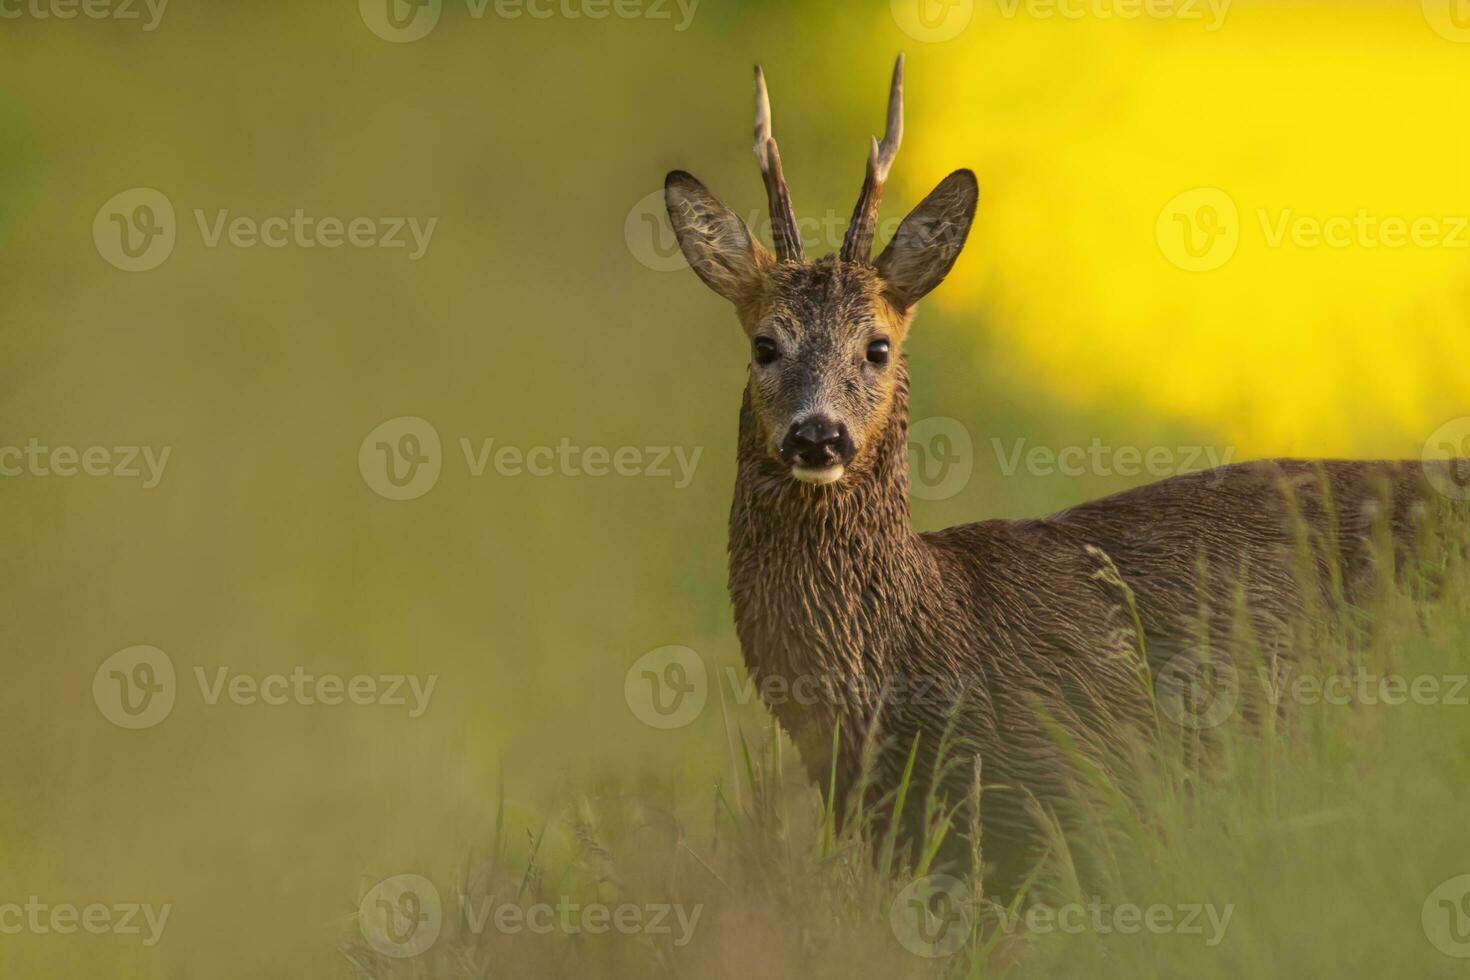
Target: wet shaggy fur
1029	645
995	637
851	621
824	313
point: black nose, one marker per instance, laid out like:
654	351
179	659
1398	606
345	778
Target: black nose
816	441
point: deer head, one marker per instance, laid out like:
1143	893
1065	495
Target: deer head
827	335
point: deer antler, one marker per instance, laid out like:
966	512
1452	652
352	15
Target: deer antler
858	245
783	219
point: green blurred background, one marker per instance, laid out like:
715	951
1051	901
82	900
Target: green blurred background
543	310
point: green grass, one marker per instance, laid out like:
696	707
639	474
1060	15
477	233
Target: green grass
1305	842
531	320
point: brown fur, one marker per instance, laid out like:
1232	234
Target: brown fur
969	629
1012	640
999	629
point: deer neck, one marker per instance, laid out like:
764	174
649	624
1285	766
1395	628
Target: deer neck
824	579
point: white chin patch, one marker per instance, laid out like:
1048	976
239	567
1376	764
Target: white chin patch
827	474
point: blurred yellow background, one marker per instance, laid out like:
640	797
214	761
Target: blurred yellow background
1142	271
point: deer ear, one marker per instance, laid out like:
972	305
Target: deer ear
929	240
714	240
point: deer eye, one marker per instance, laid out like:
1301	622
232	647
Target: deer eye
765	350
878	351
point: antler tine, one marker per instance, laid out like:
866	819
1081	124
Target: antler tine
893	131
858	245
762	116
783	218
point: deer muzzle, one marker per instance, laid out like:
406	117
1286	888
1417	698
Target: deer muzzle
818	449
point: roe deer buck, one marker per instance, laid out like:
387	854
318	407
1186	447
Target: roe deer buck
1000	634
